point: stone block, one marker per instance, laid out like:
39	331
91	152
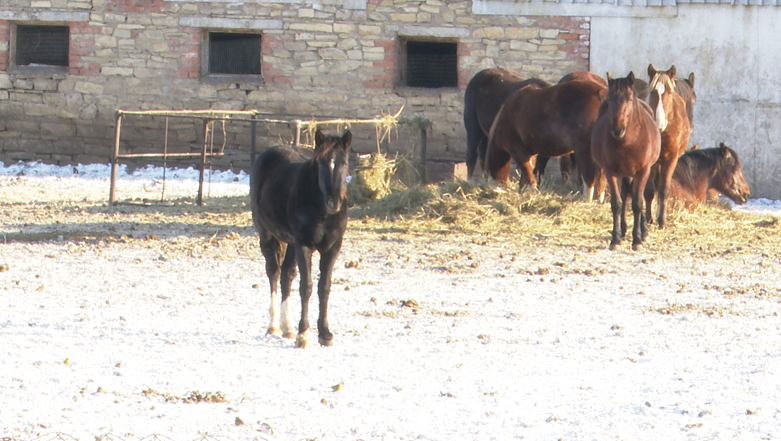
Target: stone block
88	88
5	81
312	27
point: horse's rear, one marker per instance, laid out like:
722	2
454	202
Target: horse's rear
625	144
484	95
298	204
551	121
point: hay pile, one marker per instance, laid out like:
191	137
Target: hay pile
555	215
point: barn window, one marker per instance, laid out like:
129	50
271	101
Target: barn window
430	64
41	45
234	53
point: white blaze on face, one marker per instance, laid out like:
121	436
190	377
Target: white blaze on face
661	118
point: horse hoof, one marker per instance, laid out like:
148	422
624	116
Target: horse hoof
288	334
274	331
302	341
637	247
326	341
612	246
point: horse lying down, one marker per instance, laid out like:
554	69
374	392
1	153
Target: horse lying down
700	172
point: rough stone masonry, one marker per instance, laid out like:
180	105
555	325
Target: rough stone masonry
336	58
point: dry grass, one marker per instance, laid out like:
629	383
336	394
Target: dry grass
556	215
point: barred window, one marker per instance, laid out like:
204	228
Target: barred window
40	45
234	53
431	64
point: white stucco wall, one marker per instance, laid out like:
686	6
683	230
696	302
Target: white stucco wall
735	54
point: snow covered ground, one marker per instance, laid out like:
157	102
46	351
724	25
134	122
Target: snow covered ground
434	339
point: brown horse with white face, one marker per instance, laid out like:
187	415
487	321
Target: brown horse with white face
669	111
626	144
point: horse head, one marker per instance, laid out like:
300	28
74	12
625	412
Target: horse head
620	102
331	156
729	179
661	86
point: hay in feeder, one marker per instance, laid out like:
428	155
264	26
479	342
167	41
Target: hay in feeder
371	178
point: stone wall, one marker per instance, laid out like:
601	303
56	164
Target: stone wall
337	58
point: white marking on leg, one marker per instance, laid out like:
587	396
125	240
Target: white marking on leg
302	341
287	325
273	310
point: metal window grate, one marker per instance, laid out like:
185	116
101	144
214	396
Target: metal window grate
42	45
432	64
234	53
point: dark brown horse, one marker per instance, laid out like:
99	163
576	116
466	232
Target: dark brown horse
568	162
670	114
298	206
626	144
550	121
703	170
484	96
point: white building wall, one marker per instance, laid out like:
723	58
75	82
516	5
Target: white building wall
735	56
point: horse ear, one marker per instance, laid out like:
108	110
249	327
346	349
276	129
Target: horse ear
347	138
696	146
725	153
671	72
319	137
630	78
651	71
691	79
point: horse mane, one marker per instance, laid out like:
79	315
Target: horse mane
669	84
692	161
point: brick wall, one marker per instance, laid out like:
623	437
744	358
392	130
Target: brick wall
317	59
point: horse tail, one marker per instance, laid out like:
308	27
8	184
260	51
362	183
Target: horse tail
474	134
491	134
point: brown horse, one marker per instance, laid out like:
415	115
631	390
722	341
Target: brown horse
626	144
550	121
568	162
484	96
669	111
584	76
683	87
703	170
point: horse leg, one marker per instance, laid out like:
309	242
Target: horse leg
327	261
474	139
650	192
626	199
288	274
527	172
666	176
640	229
304	258
615	207
272	250
587	170
539	167
497	164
